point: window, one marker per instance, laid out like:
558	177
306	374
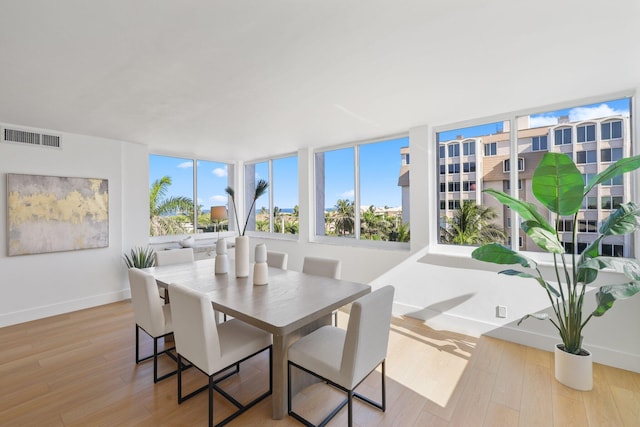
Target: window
454	186
276	211
586	177
173	207
613	181
454	204
610	202
443	187
555	131
587	226
565	225
468	186
372	204
490	149
562	136
442	152
405	159
443	204
586	133
454	168
590	203
469	148
612	250
539	143
469	167
454	150
610	154
583	157
611	130
506	165
443	169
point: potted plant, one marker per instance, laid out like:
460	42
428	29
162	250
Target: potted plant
242	241
558	185
140	257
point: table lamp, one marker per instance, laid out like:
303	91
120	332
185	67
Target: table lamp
218	213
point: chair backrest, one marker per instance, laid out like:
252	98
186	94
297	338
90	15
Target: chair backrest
326	267
367	336
194	327
147	307
174	256
277	259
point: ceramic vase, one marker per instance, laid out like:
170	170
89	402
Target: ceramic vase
242	256
222	259
574	370
260	268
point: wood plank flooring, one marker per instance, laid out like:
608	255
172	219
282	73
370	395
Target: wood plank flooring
78	369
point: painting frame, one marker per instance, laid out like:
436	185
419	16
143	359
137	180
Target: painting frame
48	213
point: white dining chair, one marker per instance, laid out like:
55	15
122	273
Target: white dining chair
213	348
277	259
343	359
326	267
171	257
151	316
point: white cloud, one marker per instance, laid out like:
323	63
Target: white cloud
602	110
185	165
220	172
347	194
578	114
218	200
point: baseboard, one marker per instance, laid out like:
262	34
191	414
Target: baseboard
13	318
473	327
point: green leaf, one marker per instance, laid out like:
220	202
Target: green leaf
628	266
528	211
607	295
498	254
625	220
545	239
539	316
625	165
557	184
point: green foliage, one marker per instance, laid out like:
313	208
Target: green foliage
140	257
163	211
471	224
557	185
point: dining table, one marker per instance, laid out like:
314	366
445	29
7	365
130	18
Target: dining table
292	304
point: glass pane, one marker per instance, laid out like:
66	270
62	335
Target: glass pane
257	215
170	195
212	178
384	191
335	184
285	195
467	216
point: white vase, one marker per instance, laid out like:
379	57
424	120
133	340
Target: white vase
260	267
222	259
573	370
242	256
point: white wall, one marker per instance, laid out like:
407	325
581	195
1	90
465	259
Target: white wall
35	286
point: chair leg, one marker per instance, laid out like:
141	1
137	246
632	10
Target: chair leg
210	400
384	390
155	360
350	407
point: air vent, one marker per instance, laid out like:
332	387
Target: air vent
30	138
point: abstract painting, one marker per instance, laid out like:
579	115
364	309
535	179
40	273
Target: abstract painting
54	214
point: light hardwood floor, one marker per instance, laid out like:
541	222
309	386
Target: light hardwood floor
78	369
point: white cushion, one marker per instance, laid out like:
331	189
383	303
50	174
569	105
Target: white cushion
320	352
321	267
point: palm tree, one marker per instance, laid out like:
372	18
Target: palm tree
471	225
344	216
162	210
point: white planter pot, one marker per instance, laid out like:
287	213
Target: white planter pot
242	256
572	370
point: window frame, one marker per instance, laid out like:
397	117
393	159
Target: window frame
356	241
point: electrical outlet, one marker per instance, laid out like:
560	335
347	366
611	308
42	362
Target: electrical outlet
501	311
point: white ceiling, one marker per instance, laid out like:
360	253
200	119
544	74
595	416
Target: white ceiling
240	79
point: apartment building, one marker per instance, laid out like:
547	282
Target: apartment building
467	166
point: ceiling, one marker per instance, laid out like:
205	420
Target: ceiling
241	80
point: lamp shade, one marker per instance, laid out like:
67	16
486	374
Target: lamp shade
218	213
